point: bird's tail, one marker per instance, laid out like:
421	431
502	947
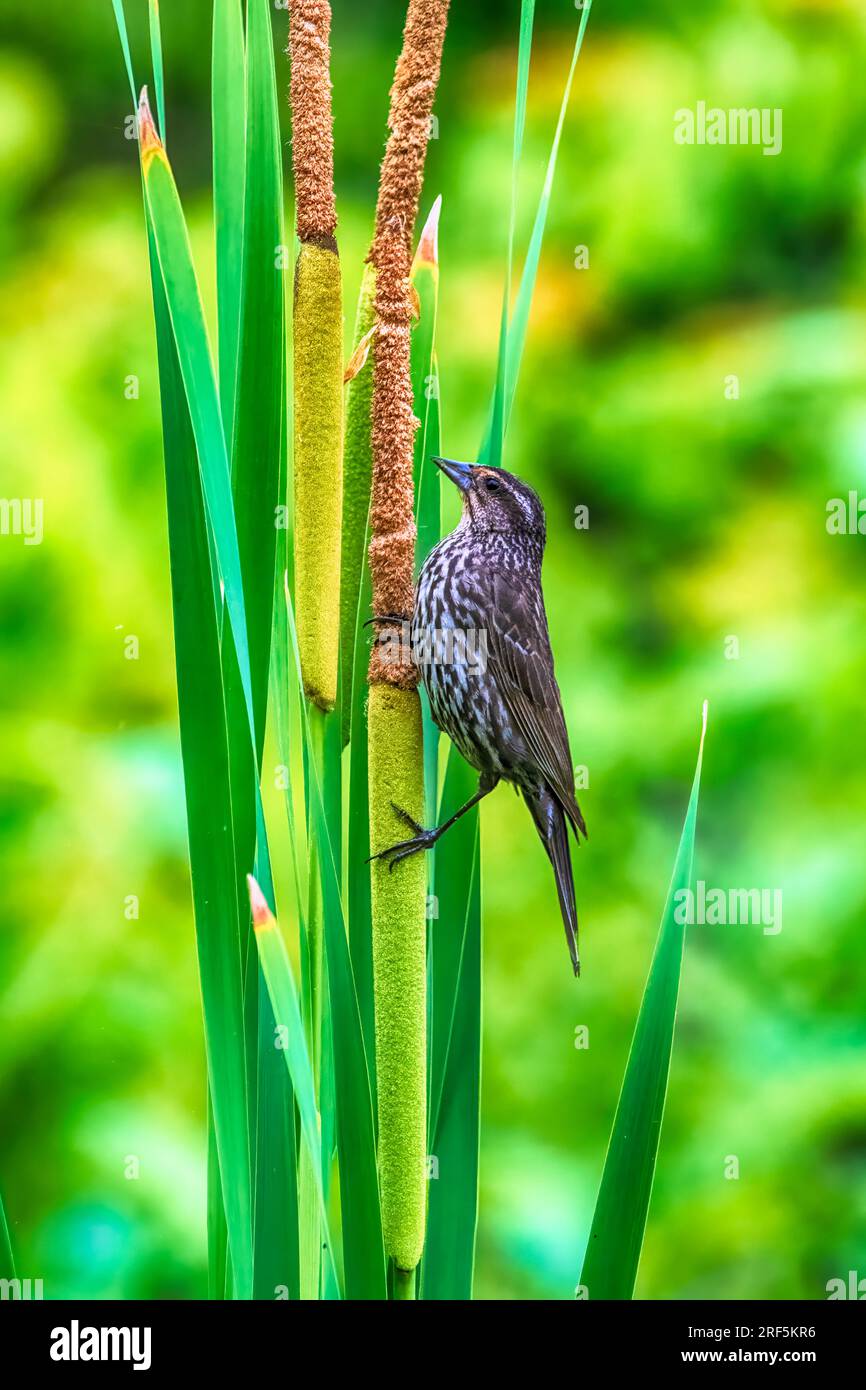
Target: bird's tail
552	826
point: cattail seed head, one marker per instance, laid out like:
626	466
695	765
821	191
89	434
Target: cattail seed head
412	95
392	520
312	124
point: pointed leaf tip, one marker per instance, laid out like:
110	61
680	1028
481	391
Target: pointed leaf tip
428	245
149	142
263	918
359	357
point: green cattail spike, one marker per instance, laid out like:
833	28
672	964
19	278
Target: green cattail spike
318	353
318	356
399	971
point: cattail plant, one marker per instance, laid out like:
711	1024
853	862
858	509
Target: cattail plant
396	752
396	773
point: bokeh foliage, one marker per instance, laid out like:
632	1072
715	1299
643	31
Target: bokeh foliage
706	521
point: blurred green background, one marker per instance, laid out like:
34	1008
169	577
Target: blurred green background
707	522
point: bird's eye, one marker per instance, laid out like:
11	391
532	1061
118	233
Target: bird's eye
492	484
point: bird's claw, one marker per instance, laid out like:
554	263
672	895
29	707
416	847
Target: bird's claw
404	849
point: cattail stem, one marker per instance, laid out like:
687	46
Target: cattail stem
318	355
310	1231
315	906
396	752
404	1285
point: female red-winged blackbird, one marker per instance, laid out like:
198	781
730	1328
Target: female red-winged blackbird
480	638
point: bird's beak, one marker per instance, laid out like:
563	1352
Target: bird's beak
459	473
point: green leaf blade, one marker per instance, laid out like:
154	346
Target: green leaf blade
204	748
228	119
494	440
618	1225
512	337
7	1261
283	994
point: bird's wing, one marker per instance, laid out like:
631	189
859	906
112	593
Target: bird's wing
522	664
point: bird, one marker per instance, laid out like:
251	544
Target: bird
480	639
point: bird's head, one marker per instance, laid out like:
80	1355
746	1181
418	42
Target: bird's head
494	500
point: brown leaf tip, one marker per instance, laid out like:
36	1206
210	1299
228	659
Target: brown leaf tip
428	246
149	142
263	918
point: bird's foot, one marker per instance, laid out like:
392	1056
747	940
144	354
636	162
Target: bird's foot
421	840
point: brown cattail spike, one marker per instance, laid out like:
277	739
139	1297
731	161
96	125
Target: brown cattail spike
312	129
410	118
392	521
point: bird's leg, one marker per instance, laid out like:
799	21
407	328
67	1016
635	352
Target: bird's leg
426	839
386	618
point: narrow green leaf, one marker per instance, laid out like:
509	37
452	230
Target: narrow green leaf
452	1214
120	20
284	699
7	1262
456	870
520	319
616	1236
283	994
261	371
425	281
276	1234
228	115
425	394
156	63
512	338
357	473
218	1267
257	459
204	749
190	335
358	883
491	450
